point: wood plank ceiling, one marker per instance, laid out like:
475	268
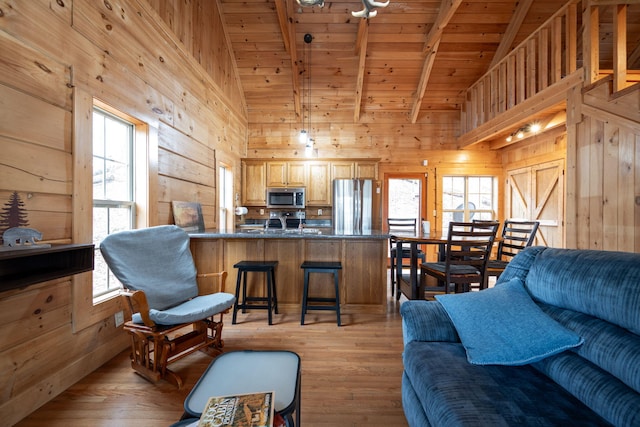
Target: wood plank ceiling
415	57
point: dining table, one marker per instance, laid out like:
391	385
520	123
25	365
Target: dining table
411	285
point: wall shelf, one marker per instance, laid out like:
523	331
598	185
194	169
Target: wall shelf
21	268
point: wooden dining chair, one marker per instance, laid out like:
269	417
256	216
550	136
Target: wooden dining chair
516	235
402	225
466	255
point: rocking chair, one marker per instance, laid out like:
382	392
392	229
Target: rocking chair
160	280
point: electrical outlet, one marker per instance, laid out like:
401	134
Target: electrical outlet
319	211
119	318
261	211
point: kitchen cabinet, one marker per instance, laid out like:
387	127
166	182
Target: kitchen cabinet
342	170
318	184
354	169
315	175
254	183
286	174
366	170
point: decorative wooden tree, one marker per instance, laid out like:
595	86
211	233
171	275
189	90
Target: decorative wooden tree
13	214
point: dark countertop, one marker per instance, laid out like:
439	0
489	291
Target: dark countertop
291	233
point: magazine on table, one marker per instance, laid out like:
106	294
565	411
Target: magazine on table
241	410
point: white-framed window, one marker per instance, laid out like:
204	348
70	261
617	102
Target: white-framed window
114	206
465	198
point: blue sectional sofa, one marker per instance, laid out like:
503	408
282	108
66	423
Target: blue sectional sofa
556	342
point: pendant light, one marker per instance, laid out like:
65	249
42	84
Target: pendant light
305	134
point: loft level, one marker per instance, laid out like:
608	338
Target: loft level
25	267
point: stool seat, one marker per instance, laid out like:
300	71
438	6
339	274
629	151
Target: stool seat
270	301
321	267
256	265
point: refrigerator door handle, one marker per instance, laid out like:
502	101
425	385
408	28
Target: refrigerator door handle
358	204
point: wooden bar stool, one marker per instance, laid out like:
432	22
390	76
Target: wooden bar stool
320	267
270	301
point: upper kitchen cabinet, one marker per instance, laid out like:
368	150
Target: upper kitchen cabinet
342	170
366	170
354	169
318	185
254	183
316	176
286	174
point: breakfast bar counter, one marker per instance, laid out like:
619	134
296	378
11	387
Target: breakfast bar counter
363	278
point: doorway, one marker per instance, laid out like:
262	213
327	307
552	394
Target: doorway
404	197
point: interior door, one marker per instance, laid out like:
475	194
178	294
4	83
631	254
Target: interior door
404	196
537	193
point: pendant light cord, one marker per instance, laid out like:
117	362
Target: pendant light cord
307	40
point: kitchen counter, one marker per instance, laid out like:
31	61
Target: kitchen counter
290	233
363	278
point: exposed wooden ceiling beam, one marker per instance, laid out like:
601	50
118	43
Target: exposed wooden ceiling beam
287	28
424	79
361	49
512	30
447	9
432	41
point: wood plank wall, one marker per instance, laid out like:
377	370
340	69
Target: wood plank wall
603	168
124	55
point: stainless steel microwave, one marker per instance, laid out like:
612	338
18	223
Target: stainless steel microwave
289	198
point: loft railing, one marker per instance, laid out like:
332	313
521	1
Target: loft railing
547	57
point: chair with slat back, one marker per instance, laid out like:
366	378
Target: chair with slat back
467	252
401	225
516	235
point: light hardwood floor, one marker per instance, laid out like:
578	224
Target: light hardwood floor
351	376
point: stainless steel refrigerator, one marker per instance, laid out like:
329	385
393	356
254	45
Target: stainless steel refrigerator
354	205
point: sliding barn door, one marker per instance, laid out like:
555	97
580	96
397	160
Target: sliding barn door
537	193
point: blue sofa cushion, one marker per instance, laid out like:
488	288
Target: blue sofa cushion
453	392
426	321
603	284
503	326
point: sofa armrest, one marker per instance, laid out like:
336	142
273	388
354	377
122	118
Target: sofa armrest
426	321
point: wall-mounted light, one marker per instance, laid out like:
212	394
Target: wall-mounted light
521	132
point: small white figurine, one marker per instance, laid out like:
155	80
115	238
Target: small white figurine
369	9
